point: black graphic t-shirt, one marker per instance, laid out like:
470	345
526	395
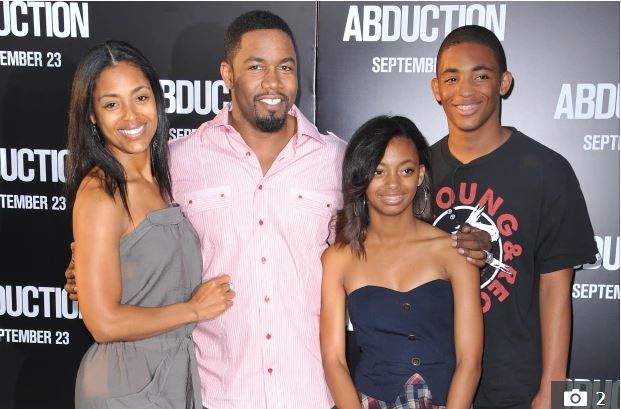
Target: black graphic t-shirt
529	200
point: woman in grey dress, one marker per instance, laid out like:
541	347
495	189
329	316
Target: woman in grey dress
137	259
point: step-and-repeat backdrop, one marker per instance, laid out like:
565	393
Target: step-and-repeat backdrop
356	60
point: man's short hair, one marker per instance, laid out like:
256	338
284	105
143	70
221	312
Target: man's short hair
478	35
251	21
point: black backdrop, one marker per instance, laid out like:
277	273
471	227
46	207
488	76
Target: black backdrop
42	337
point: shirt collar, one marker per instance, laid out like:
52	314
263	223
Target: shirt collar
304	126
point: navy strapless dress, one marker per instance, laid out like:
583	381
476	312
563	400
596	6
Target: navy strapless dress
407	347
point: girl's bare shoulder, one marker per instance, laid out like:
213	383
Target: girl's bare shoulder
434	237
339	254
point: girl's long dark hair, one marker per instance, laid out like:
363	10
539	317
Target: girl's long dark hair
85	144
364	153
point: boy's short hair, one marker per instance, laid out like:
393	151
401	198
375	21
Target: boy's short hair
475	34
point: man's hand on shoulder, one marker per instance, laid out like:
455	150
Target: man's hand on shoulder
472	243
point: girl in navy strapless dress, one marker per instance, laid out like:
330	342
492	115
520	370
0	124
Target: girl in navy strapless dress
412	299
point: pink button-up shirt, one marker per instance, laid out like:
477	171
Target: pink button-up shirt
267	232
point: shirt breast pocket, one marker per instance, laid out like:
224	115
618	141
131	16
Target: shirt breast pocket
206	199
313	215
210	212
309	201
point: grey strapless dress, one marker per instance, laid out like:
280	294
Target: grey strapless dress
160	265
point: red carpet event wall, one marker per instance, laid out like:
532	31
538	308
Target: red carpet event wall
356	60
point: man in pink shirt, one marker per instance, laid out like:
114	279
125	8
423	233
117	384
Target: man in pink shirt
260	185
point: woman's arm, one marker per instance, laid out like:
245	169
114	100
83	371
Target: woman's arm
332	331
98	224
468	322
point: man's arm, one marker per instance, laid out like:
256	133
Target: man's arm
70	286
555	316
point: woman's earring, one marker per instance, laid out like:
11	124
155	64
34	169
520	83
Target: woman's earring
424	201
96	134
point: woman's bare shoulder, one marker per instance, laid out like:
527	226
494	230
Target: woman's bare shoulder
94	206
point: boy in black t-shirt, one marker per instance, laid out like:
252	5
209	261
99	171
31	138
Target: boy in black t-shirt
529	200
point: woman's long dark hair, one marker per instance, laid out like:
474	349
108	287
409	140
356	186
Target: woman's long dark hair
85	144
364	153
